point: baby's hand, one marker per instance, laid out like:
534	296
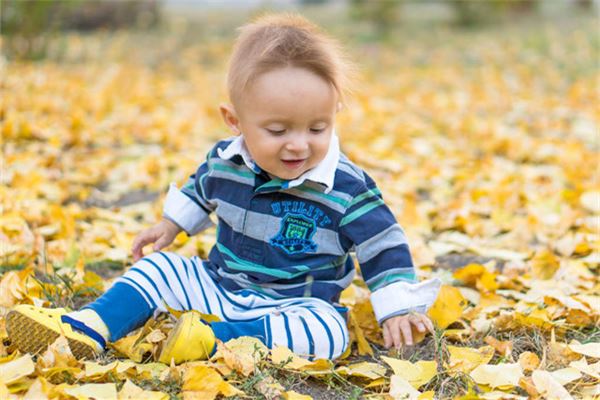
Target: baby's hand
397	330
161	234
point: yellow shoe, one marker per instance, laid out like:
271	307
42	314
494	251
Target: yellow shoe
191	339
32	329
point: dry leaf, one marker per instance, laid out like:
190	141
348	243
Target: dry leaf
548	386
497	375
417	374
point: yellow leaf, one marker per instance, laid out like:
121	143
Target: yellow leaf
93	369
291	395
284	356
13	287
502	347
376	383
269	388
497	375
529	361
364	348
400	389
537	318
94	391
319	366
588	349
58	355
39	389
150	370
428	395
465	359
93	281
589	369
417	374
134	392
544	264
448	306
132	347
477	275
205	383
205	317
367	370
155	336
14	370
566	375
241	354
590	200
547	386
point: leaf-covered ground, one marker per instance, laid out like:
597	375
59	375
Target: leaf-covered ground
485	144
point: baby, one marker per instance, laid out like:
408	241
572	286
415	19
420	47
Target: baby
290	208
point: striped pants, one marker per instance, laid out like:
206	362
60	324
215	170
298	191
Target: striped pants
310	327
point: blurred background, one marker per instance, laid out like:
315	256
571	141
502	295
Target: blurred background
476	117
28	25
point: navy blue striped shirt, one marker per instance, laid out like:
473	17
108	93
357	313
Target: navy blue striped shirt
291	239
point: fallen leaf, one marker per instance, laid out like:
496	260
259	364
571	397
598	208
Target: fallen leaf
587	349
529	361
497	375
417	374
14	370
548	386
202	382
241	354
448	306
134	392
368	370
401	389
94	391
466	359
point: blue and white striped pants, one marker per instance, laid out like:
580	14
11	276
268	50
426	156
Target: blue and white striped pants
310	327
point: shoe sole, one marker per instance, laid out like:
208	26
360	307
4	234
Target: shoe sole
33	337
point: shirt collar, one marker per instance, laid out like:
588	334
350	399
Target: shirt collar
323	173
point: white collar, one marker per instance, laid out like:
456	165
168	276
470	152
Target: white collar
323	173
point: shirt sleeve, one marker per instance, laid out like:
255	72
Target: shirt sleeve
188	206
384	256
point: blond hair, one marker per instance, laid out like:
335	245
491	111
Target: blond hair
286	40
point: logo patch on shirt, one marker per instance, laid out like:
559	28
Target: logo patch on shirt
295	234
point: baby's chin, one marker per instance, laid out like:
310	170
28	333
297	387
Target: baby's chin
286	175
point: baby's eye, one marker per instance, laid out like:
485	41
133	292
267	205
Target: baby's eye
317	130
276	131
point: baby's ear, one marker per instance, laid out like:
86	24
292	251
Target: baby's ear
230	118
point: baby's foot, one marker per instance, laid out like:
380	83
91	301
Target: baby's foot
32	329
191	339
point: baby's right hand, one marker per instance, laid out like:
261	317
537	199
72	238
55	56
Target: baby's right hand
161	234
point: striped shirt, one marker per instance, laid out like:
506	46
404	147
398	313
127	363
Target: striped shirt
294	238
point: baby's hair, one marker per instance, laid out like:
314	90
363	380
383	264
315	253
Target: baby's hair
286	40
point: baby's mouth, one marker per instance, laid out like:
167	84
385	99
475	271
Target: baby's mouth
294	164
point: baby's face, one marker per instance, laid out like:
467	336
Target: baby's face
287	116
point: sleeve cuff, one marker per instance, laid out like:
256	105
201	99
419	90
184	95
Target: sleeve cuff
181	210
402	297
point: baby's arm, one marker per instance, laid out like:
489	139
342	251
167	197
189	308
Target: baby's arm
185	209
382	251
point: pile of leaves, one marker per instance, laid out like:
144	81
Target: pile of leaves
485	147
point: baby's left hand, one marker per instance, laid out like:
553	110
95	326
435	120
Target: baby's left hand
398	330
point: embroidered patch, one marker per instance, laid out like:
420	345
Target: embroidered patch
295	234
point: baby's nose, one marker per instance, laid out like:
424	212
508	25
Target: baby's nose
297	142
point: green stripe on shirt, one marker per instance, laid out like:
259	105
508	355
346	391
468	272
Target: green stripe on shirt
406	277
235	171
361	211
370	193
